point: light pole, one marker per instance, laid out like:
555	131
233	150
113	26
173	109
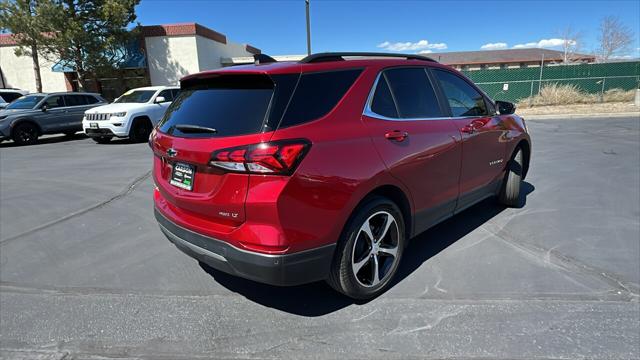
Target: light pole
306	2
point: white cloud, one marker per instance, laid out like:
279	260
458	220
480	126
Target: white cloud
425	51
411	46
544	43
494	46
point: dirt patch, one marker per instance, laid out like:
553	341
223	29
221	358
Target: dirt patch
600	108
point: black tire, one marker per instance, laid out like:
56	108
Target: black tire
355	250
510	191
140	130
102	139
25	134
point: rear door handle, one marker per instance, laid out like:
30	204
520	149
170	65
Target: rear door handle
396	135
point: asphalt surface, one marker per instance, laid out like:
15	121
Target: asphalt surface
86	273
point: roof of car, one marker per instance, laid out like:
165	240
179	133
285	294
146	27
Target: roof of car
162	87
66	93
266	65
287	67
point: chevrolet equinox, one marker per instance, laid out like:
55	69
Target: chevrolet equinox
323	169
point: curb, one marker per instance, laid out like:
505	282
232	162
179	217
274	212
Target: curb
580	116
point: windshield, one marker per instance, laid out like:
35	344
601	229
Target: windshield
138	96
25	102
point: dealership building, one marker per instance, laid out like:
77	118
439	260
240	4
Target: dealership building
162	56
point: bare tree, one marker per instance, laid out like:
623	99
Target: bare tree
571	44
614	38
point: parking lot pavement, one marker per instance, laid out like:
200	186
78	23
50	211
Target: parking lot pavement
85	271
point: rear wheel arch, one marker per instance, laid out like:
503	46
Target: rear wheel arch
397	196
526	152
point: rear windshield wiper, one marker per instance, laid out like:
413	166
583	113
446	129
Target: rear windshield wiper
195	129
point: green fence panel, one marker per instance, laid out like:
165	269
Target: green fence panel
524	82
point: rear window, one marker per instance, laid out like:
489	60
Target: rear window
231	108
91	99
75	100
247	104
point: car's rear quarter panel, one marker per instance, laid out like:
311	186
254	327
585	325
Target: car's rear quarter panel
341	168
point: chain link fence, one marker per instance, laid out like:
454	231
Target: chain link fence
516	84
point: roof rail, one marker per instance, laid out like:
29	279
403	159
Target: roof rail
339	56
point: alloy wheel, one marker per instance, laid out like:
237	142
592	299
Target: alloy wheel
27	134
375	249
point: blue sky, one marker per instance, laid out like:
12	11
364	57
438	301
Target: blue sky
278	27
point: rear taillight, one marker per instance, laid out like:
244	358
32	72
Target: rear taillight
277	157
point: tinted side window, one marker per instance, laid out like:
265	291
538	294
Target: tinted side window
317	94
383	103
174	93
167	95
75	100
10	96
463	99
90	99
54	101
413	93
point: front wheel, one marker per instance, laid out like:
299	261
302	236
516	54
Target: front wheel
369	250
510	191
25	134
140	131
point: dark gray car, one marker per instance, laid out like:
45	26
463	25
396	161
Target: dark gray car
30	116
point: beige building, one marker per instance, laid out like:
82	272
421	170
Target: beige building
472	60
165	53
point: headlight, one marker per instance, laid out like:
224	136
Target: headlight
119	114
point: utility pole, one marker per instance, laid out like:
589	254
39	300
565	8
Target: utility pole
306	2
540	78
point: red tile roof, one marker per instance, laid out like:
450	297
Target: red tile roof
7	40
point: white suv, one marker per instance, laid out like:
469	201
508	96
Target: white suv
132	115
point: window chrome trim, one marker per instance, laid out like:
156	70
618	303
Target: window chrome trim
370	113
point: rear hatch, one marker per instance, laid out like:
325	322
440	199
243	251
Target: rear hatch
220	111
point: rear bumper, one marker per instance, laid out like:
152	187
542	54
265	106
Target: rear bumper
282	270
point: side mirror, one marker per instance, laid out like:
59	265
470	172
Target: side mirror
159	99
505	107
44	108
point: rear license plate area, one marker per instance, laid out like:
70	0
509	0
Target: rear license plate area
182	176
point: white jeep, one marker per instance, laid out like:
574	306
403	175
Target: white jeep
132	115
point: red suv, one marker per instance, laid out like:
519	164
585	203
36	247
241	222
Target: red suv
323	169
